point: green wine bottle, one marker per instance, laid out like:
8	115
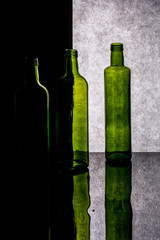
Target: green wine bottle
32	112
117	202
32	150
117	107
72	115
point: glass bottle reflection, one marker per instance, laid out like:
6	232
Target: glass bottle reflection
69	203
117	202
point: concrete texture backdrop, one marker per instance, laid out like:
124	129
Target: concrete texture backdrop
98	23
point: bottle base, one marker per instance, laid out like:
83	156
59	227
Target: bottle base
118	155
75	162
73	167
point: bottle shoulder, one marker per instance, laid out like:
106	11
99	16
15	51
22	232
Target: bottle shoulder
81	78
28	91
72	79
117	68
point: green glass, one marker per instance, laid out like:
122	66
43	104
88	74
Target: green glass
117	106
81	203
72	115
117	202
70	200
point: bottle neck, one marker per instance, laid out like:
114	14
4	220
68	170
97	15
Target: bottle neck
117	58
71	62
31	71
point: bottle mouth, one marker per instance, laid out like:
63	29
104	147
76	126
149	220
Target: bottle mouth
71	52
36	63
32	60
117	47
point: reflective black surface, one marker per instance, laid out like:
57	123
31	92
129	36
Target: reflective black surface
68	208
111	201
106	202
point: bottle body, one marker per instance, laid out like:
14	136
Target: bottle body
31	120
117	110
32	112
72	116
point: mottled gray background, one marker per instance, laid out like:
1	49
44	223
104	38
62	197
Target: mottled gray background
98	23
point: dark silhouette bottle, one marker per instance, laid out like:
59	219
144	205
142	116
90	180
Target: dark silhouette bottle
117	202
117	107
32	112
72	115
31	151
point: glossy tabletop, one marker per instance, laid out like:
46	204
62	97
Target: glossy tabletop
144	197
105	203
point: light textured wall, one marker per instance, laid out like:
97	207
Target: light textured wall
98	23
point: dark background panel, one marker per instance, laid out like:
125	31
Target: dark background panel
40	30
44	31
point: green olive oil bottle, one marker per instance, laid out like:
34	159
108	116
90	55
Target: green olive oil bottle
72	115
117	107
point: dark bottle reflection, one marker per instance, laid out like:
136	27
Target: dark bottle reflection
31	153
69	203
117	202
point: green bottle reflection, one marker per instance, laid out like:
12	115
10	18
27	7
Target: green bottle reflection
31	152
117	106
117	202
81	205
69	204
72	115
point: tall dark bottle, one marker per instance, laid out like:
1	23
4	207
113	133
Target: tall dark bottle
72	115
117	107
31	150
32	111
